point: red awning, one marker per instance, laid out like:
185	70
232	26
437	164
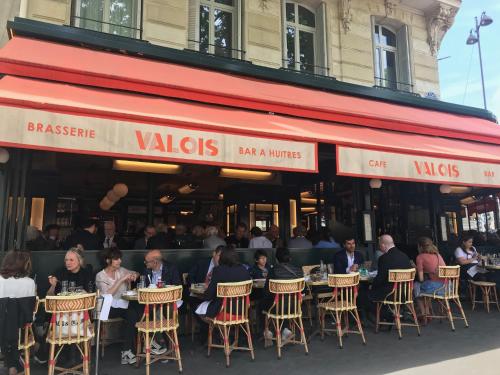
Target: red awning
57	62
102	108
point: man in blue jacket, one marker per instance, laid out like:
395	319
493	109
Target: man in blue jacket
348	259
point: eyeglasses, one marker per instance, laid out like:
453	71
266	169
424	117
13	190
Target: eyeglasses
148	261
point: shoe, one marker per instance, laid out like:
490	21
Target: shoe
128	358
157	349
286	336
268	335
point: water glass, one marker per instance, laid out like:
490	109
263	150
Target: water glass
142	282
72	287
64	287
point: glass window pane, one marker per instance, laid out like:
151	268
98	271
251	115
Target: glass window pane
306	17
377	37
290	12
290	47
223	30
389	69
388	38
306	45
225	2
90	15
204	28
122	17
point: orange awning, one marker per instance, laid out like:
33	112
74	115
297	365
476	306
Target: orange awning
57	62
102	110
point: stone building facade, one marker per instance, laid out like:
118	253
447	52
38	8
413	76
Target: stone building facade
390	43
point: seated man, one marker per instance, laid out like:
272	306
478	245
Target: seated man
284	270
202	273
158	269
348	260
391	258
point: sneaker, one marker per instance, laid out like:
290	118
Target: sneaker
268	335
286	335
128	358
157	349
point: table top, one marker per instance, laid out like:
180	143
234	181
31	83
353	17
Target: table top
130	297
492	267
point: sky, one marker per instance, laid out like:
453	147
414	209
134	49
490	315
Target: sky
460	75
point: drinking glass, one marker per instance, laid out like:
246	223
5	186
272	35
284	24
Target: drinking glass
64	287
142	282
72	287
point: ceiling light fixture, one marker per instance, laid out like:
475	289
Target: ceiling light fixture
245	174
141	166
460	189
166	199
188	189
311	201
306	194
308	209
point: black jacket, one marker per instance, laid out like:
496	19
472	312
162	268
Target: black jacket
83	237
392	259
169	274
159	241
222	274
243	242
14	314
198	273
340	261
118	240
282	271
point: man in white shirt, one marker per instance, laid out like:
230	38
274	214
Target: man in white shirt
258	240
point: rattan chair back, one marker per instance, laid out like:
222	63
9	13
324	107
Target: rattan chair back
26	336
160	310
287	297
345	291
402	290
70	321
451	277
235	302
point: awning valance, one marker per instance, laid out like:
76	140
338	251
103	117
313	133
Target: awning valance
108	122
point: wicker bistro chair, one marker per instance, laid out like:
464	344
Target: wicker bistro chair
341	304
287	306
449	292
27	340
70	325
234	313
401	294
308	298
160	316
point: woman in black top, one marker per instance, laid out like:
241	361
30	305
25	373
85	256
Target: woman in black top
74	271
228	270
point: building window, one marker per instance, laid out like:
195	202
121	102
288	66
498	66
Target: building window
300	32
119	17
214	26
392	62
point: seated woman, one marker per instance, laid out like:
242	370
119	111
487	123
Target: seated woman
468	258
428	262
17	301
113	280
74	271
228	270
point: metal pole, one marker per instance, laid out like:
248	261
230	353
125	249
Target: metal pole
480	62
99	302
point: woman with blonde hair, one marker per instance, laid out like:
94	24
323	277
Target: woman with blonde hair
74	271
428	262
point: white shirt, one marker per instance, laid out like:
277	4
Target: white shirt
350	262
461	253
17	288
210	267
107	242
104	282
260	243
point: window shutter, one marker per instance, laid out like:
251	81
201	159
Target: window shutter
321	40
194	25
404	72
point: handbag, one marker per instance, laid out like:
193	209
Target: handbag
72	325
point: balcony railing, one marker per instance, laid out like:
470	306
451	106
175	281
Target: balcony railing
218	50
135	31
316	70
393	85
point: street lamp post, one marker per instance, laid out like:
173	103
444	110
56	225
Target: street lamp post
474	37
